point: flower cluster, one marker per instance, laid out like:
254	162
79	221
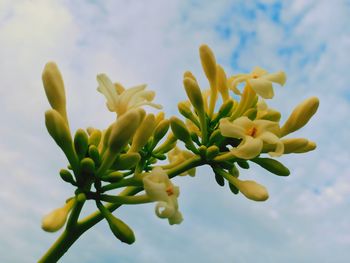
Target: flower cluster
222	131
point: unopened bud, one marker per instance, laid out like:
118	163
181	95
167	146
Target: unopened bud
222	83
143	133
87	166
307	148
81	143
161	130
58	128
54	88
272	166
126	161
67	176
194	94
167	145
291	145
300	115
180	130
188	74
113	177
55	220
94	155
251	189
208	63
95	137
212	151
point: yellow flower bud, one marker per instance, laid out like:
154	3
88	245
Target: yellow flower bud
291	145
95	137
159	117
167	145
160	131
307	148
81	143
180	130
188	74
194	94
222	83
208	63
54	88
143	133
251	189
55	220
126	161
300	115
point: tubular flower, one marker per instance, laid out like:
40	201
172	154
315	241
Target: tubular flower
253	134
121	100
159	188
266	113
260	81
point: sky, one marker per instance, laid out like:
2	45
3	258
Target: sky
306	218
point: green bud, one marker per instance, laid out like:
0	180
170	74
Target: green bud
120	230
272	165
180	130
67	176
187	113
307	148
113	177
81	143
243	164
95	137
233	189
54	89
87	166
224	110
300	115
212	151
291	145
216	137
126	161
188	74
219	179
167	145
251	113
94	155
234	171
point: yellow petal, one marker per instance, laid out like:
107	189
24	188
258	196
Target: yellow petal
262	87
278	77
248	149
229	129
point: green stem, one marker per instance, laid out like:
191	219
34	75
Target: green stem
72	234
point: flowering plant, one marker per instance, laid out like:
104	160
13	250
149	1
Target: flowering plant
223	132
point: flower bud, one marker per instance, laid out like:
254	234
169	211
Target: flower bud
67	176
300	115
54	88
143	133
94	155
55	220
212	151
167	145
221	82
81	143
180	130
194	94
208	63
87	166
123	130
188	74
272	166
161	130
251	189
95	137
113	177
293	144
307	148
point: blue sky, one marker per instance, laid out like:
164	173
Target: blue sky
154	42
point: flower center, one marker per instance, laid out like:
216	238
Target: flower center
252	131
255	76
169	191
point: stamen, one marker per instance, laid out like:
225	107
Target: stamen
252	131
170	191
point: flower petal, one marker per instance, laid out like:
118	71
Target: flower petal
228	129
262	87
248	149
259	71
176	218
106	87
271	138
278	77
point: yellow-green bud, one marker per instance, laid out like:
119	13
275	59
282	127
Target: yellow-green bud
221	82
161	130
143	133
94	154
291	145
55	220
307	148
81	143
208	63
126	161
95	137
224	110
188	74
167	145
187	113
180	130
123	130
58	129
251	113
120	230
212	151
54	88
300	115
272	115
194	94
87	166
67	176
113	177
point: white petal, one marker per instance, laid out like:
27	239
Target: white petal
262	87
106	87
259	71
165	209
176	218
271	138
248	149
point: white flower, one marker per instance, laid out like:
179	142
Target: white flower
177	156
159	188
260	81
121	100
254	134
